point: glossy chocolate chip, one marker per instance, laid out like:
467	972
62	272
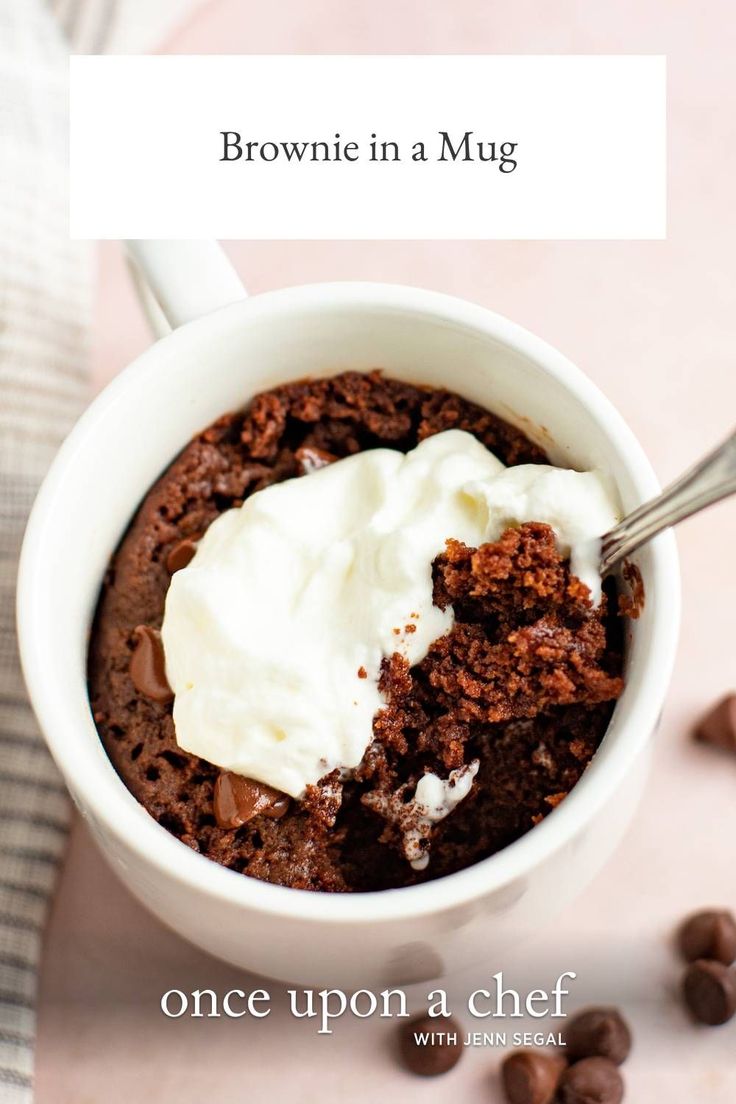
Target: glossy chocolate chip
148	667
311	459
591	1081
237	800
531	1076
598	1033
718	726
429	1045
709	989
709	934
180	556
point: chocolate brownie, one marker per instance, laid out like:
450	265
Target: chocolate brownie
524	682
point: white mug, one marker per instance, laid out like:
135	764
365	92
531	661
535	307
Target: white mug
214	363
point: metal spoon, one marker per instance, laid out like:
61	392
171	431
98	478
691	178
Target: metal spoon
709	481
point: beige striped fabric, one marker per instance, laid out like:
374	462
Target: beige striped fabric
45	309
44	313
119	26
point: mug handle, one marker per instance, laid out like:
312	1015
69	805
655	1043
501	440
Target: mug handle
178	281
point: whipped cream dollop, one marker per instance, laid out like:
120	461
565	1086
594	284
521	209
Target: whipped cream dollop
275	632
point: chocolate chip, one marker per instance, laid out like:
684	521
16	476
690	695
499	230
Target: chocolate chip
238	799
430	1046
709	989
718	727
598	1033
531	1076
709	934
148	666
311	459
591	1081
180	555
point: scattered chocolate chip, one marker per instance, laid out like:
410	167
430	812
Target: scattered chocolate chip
598	1033
180	555
531	1076
438	1053
311	459
591	1081
718	727
709	989
148	666
709	934
238	799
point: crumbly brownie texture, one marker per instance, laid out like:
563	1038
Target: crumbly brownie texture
524	682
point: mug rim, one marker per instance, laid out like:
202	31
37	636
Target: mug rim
105	793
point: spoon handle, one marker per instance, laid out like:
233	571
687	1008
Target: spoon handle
712	479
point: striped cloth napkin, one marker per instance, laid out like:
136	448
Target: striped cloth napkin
45	311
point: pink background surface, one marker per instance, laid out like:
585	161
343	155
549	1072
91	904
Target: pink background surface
653	325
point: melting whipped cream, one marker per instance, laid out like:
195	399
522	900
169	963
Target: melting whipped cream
433	800
275	632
